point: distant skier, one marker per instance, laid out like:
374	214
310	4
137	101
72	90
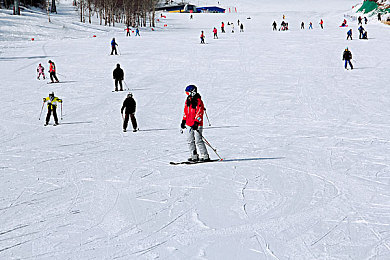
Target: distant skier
302	25
202	37
127	31
113	47
241	27
191	17
222	28
238	22
232	24
322	24
284	17
215	33
347	56
41	71
193	123
129	105
52	71
51	108
137	32
274	25
344	24
349	34
379	17
359	20
310	25
365	20
118	76
361	31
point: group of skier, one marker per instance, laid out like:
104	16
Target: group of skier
215	31
284	25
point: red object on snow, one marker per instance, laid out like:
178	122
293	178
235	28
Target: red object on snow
158	20
94	36
152	29
163	16
32	39
165	25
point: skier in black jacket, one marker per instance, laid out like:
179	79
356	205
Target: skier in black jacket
129	106
118	76
347	56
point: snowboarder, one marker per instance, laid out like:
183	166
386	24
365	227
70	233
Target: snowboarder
365	20
322	24
361	31
215	33
310	25
349	34
51	108
52	71
223	28
302	25
41	71
137	31
113	47
344	24
127	31
129	105
118	76
274	26
202	37
241	27
193	123
347	56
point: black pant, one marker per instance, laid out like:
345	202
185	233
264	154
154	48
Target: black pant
128	34
322	27
133	121
120	84
114	50
201	40
349	36
50	109
223	29
53	76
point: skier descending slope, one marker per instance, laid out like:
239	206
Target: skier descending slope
52	71
202	38
118	75
129	105
51	107
347	56
41	71
113	47
193	123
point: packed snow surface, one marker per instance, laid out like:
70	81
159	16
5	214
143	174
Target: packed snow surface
306	143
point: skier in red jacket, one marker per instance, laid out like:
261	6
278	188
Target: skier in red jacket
193	123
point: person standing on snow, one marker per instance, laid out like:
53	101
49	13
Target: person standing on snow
274	25
193	123
379	17
41	71
322	24
365	20
232	27
223	28
349	34
310	25
118	76
52	71
215	33
137	32
129	105
127	31
347	56
359	20
51	108
241	27
361	31
113	47
302	25
202	38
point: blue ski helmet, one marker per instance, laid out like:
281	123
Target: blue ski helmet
191	90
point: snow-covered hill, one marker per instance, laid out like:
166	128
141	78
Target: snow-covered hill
306	143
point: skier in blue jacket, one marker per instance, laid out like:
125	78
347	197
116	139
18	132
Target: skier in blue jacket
113	47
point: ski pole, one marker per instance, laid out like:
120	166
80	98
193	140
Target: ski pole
128	89
208	144
41	111
207	116
119	51
61	110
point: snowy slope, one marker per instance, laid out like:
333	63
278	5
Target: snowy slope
306	143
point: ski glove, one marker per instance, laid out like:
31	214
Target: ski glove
195	126
183	124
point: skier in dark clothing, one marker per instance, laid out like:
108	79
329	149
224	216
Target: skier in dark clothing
347	56
361	31
349	34
118	76
365	20
129	105
113	47
241	27
379	17
274	26
360	20
127	31
52	107
302	25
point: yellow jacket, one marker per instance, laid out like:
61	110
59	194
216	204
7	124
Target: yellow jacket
52	102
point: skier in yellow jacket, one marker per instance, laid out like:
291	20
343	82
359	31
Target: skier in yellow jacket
52	107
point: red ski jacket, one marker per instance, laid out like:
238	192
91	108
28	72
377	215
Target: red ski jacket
52	67
193	110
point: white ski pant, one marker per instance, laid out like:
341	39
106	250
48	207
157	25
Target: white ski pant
194	139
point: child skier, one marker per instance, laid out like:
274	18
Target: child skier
137	32
113	47
202	38
215	33
52	71
193	123
310	25
118	76
347	56
41	71
129	105
349	34
51	107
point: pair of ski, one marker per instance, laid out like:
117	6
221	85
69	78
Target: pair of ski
195	162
